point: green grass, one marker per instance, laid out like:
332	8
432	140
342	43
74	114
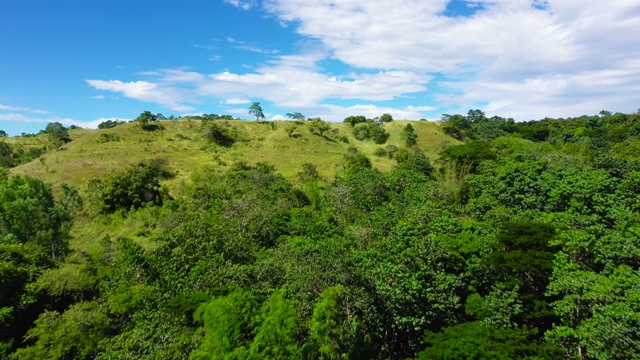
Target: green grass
186	150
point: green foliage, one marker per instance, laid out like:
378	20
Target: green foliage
146	121
385	118
7	157
228	322
57	133
219	133
334	332
318	127
468	155
599	311
354	120
409	135
370	130
523	259
295	116
474	340
20	266
377	263
127	189
3	133
29	213
72	334
236	326
256	110
413	160
110	124
355	161
106	137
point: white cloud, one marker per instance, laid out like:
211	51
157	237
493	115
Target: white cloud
338	113
256	49
237	101
508	44
65	121
515	58
20	108
147	91
99	97
244	5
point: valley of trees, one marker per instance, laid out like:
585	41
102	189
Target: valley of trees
520	242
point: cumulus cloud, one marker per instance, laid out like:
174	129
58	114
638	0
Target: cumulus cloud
338	113
147	91
516	58
506	44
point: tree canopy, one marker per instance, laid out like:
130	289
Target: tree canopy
256	110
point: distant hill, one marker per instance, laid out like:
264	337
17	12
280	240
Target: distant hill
184	147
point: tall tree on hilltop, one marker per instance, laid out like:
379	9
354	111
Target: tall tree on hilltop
256	110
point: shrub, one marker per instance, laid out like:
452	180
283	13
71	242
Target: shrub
380	152
110	124
370	130
126	189
219	133
353	120
319	127
104	138
355	161
385	118
413	160
409	135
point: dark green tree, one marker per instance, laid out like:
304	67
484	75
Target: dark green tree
256	110
295	116
410	136
474	340
57	133
385	118
353	120
126	189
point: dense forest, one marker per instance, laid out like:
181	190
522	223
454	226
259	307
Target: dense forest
520	241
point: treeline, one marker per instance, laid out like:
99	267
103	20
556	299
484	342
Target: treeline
516	244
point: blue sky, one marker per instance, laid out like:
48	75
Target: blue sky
82	62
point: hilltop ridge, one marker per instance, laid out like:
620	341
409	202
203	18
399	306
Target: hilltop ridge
185	148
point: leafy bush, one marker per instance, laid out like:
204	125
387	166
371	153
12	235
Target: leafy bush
380	152
385	118
355	161
128	189
108	137
370	130
318	127
413	160
409	135
219	133
110	124
353	120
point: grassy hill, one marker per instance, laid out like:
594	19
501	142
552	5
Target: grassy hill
185	150
182	144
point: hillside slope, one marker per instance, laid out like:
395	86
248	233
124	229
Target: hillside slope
185	149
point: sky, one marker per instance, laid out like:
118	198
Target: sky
82	62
